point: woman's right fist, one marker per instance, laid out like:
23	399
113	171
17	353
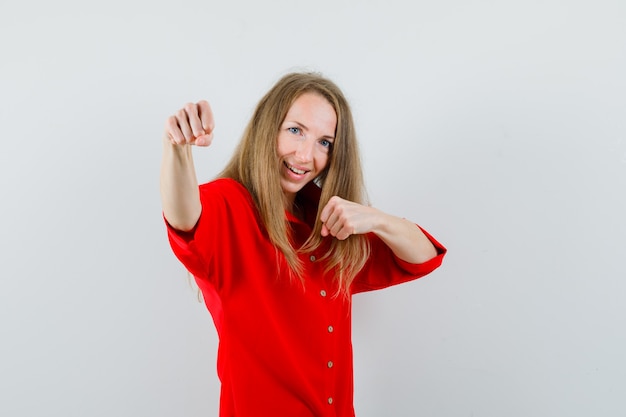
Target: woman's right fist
191	125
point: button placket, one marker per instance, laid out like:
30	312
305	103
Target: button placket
329	364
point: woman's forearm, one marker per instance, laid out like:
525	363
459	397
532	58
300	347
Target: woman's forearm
405	239
180	196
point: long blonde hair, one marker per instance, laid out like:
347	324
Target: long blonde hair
255	164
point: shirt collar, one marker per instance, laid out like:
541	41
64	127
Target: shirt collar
309	195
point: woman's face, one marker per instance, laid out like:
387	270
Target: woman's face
304	141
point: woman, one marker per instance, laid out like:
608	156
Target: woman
279	243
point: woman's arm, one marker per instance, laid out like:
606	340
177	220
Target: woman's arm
191	125
343	218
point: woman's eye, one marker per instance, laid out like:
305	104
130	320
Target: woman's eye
326	143
295	130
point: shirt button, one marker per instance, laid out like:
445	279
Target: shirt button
312	258
330	329
330	364
330	400
323	293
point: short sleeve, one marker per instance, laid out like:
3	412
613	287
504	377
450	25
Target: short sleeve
384	269
223	203
185	248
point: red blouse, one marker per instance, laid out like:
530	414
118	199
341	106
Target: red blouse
285	349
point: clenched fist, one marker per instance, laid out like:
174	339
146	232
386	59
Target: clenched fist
191	125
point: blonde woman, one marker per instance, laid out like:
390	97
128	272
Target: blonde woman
280	241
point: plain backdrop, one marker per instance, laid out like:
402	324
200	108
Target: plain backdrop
499	126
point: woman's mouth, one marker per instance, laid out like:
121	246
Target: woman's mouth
295	170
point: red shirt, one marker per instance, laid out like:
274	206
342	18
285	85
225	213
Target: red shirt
285	349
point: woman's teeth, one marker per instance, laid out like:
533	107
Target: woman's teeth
297	171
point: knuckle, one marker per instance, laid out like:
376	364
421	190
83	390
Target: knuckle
208	125
181	114
171	122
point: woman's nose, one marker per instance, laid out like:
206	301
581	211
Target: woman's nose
304	151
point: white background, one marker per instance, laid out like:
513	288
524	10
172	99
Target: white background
500	126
